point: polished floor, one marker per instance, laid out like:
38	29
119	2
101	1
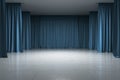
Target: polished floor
60	65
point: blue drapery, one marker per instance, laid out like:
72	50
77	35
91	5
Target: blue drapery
55	32
104	27
35	32
26	21
24	31
116	29
14	27
83	32
93	24
3	52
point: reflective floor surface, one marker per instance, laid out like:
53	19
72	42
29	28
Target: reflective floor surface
60	65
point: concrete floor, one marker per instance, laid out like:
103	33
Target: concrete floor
60	65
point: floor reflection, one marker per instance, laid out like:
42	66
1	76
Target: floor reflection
60	65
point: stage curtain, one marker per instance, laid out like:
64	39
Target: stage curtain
26	21
3	52
83	31
55	32
116	29
93	24
104	27
14	27
35	32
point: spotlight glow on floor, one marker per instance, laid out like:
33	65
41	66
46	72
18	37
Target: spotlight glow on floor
60	65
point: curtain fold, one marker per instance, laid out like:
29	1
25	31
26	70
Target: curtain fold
83	29
3	52
104	27
14	27
55	32
25	32
116	29
26	21
93	24
35	34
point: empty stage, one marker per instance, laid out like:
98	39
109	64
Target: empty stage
60	65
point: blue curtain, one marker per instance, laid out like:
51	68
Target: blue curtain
35	32
93	24
104	27
55	32
116	29
26	21
14	27
83	31
3	52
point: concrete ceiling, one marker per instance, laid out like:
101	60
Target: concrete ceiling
60	7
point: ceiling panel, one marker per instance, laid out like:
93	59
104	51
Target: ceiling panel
60	7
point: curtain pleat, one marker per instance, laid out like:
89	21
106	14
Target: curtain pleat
14	27
116	29
93	24
3	52
26	21
55	32
83	32
104	27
